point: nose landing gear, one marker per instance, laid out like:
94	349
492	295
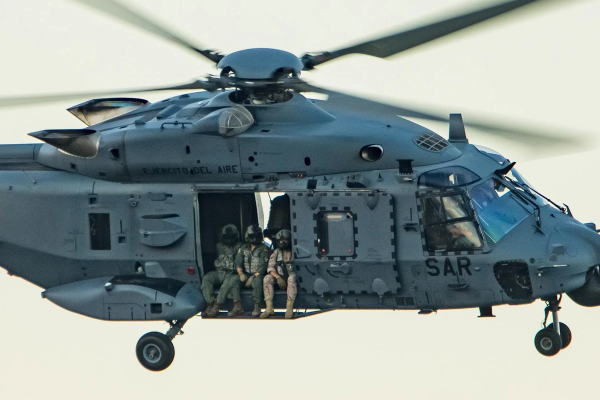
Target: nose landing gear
556	336
155	351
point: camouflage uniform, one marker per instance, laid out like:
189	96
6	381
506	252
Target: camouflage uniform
252	262
225	275
281	262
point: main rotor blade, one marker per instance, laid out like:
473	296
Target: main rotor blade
125	14
536	139
399	42
28	100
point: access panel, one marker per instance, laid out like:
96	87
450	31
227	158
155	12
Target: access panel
344	242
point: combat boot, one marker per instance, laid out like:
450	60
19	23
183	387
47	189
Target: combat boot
236	310
289	309
256	311
213	311
269	310
209	306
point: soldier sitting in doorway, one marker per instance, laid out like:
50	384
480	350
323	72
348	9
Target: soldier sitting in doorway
225	274
281	270
251	263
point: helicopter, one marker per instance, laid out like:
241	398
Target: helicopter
152	184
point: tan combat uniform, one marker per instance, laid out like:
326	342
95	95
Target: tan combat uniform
281	262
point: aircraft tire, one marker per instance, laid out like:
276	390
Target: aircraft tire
565	334
155	351
547	342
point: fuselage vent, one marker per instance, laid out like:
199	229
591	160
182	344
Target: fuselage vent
431	141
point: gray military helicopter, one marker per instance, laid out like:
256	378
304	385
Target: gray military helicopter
384	213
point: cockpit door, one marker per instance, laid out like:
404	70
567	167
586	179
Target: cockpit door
344	242
448	223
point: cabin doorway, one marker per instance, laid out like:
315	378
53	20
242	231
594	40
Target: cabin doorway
215	210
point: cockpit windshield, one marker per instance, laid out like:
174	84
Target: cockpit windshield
499	209
493	154
513	175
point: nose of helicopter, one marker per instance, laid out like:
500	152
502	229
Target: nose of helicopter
576	247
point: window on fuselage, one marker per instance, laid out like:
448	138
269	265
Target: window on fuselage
99	231
499	210
447	177
448	224
335	233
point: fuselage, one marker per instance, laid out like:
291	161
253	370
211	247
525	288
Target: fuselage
380	230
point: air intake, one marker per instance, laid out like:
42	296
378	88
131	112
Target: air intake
431	141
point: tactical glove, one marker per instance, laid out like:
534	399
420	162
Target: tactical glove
243	277
249	281
281	283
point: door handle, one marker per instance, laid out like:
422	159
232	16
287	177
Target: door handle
343	268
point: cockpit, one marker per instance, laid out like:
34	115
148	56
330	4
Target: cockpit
460	211
498	208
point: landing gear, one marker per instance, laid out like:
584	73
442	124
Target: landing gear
556	336
565	334
155	351
548	342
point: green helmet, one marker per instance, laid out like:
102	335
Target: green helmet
254	234
230	234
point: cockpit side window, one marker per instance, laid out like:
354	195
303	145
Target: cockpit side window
493	154
498	209
447	177
448	223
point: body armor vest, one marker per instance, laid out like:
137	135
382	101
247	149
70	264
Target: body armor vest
225	257
284	268
253	259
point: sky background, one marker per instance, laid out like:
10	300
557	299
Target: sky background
538	66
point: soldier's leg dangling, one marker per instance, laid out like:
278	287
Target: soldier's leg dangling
257	294
292	290
268	283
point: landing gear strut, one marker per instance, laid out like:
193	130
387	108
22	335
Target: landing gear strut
556	336
155	351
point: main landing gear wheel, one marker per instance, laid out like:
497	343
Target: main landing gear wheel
155	351
547	342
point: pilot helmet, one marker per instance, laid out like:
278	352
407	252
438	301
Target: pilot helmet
230	234
284	239
254	234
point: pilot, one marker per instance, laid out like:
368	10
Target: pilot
281	270
462	238
224	275
251	264
484	194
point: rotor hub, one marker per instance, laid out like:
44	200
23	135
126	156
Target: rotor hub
260	64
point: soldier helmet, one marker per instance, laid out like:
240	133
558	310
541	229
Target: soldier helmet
230	234
284	239
254	234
